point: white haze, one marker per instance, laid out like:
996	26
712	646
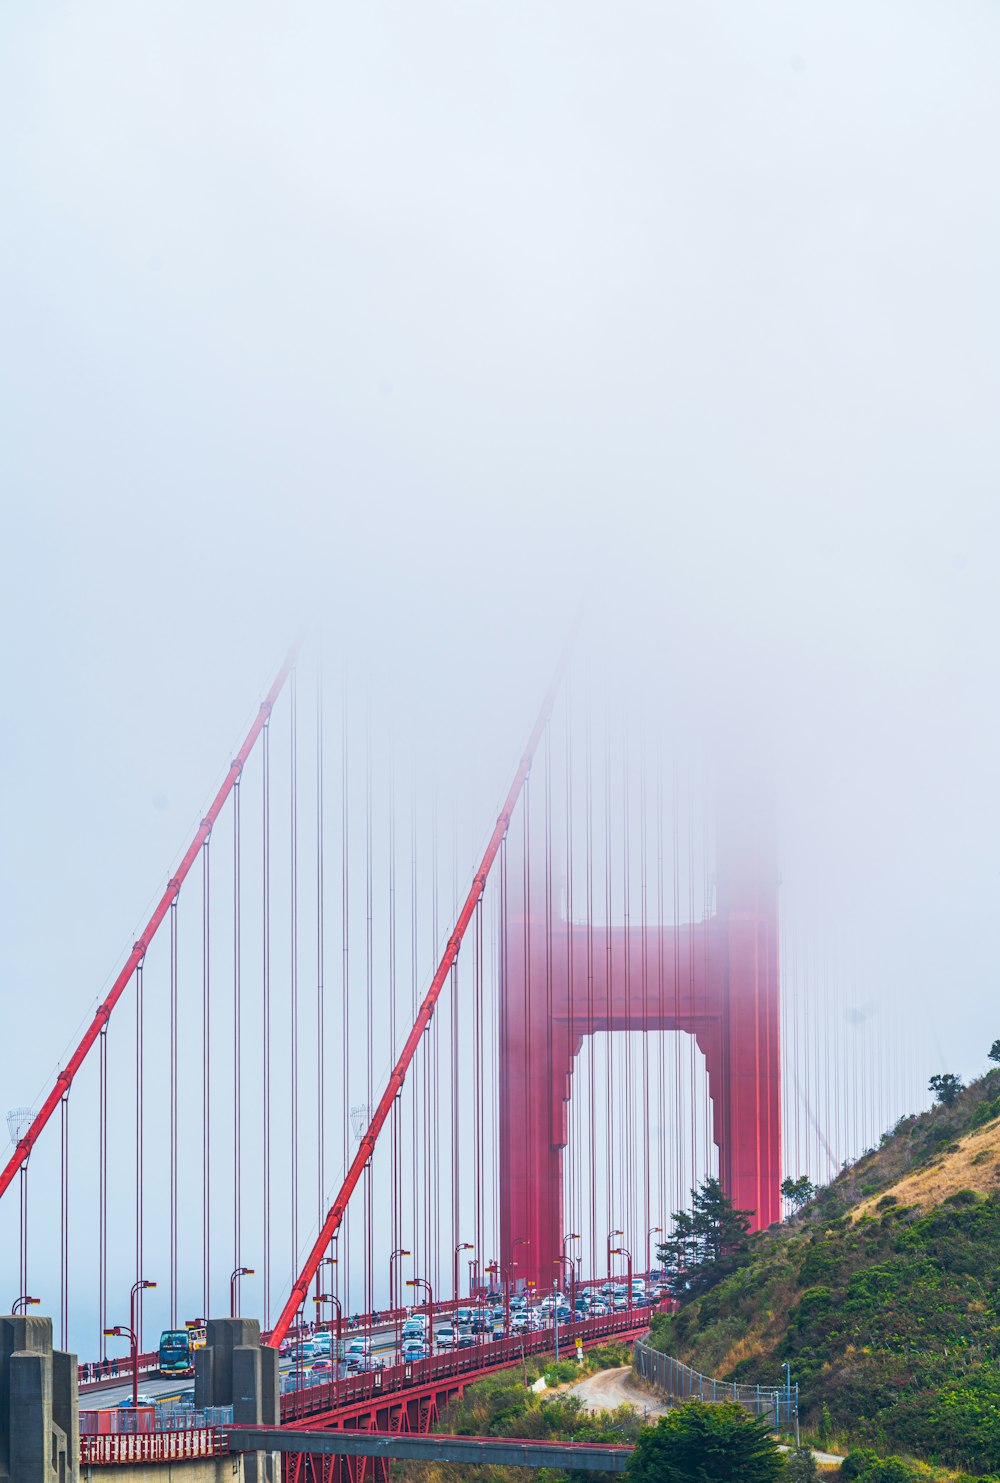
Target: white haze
439	323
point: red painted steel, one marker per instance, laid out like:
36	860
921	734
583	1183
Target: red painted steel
331	1225
64	1080
717	980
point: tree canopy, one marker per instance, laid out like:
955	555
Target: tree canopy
707	1242
798	1191
702	1443
946	1086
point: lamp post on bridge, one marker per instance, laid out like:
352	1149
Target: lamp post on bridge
653	1230
462	1246
504	1276
624	1251
23	1303
611	1236
394	1302
517	1241
393	1294
422	1282
571	1236
329	1297
121	1331
137	1287
234	1279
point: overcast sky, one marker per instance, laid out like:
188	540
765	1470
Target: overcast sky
438	321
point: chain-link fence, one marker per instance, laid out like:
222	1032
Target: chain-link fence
677	1382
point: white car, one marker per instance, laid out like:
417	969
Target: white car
445	1337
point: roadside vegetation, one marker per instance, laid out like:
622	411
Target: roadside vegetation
883	1292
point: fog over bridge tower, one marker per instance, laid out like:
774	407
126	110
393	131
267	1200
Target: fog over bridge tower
716	979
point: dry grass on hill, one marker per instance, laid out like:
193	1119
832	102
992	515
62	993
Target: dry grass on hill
973	1163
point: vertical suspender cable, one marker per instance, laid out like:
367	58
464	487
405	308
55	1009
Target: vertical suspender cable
478	1086
644	1104
547	881
416	1088
661	1070
63	1223
266	1011
293	781
456	1216
343	1268
320	950
206	1078
609	1083
680	1180
692	1045
139	1150
396	1216
237	1034
369	1272
102	1218
23	1192
575	1149
591	1079
526	916
173	1115
631	1223
432	1132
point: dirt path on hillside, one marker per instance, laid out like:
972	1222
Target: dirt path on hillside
610	1388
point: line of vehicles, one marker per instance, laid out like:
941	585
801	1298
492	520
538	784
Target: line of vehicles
314	1362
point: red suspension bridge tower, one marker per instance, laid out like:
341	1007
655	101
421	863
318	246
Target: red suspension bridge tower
561	980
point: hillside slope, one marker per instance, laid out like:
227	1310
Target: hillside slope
884	1295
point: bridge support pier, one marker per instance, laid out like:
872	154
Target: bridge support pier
39	1406
234	1369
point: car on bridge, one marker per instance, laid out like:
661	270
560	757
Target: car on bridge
445	1337
413	1350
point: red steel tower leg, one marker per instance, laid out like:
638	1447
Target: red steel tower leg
726	995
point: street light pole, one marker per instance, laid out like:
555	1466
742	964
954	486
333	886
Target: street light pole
624	1251
653	1230
116	1333
23	1303
234	1278
422	1282
571	1236
329	1297
393	1295
517	1241
462	1246
611	1236
137	1287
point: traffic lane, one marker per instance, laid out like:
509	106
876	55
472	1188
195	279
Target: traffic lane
161	1388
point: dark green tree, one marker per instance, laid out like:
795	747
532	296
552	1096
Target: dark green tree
798	1191
946	1086
702	1443
995	1051
707	1243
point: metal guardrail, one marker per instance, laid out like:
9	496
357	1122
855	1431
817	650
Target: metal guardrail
678	1382
158	1446
151	1419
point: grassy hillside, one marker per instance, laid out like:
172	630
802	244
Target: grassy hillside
884	1295
501	1406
